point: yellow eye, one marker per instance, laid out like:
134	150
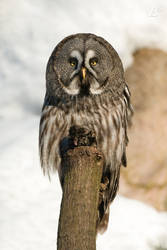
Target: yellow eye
93	62
72	63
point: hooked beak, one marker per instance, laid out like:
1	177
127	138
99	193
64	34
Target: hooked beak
83	73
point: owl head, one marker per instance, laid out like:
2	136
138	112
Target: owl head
84	65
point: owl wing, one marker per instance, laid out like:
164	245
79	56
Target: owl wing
110	179
127	120
53	127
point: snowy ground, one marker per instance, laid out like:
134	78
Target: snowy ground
29	30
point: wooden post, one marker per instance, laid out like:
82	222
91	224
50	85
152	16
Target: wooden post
82	171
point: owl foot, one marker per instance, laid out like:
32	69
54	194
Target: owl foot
82	136
103	188
104	184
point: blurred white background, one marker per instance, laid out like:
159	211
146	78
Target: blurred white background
29	30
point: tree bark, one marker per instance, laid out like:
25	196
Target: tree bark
82	171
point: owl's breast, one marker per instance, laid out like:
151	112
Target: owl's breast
107	123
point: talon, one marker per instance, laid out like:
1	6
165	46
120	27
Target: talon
106	181
102	187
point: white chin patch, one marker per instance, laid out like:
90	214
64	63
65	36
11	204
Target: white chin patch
95	88
73	88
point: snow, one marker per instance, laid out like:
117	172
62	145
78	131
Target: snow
29	30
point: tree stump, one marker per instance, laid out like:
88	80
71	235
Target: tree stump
82	170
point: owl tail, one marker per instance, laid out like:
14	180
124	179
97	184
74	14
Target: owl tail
108	190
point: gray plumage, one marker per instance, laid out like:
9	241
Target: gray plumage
85	86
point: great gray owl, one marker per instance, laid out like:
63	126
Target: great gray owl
85	86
